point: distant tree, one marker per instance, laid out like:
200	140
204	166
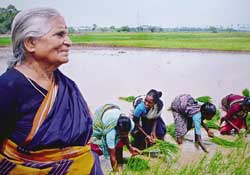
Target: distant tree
94	27
139	29
6	17
71	30
230	30
112	28
124	29
213	29
152	29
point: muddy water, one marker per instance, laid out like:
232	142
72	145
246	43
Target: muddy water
104	74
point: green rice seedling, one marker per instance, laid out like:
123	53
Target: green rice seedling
194	169
204	99
137	164
237	143
215	163
248	119
127	99
246	92
213	123
171	129
167	149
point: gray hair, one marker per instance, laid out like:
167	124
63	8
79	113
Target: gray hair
29	23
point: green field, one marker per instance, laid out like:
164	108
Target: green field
233	41
4	41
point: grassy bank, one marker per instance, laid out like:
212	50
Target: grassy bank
234	41
5	41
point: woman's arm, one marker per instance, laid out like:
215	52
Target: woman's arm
209	131
138	112
197	129
113	160
7	108
134	151
198	141
110	140
153	132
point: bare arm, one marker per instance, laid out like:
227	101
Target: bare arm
113	160
200	143
209	132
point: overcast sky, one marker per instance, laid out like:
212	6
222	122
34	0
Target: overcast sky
164	13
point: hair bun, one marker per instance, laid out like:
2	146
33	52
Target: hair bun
159	93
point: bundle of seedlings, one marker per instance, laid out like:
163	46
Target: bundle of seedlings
214	122
171	130
129	99
167	149
137	164
204	99
246	92
237	143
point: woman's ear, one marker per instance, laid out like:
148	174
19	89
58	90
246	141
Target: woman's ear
29	44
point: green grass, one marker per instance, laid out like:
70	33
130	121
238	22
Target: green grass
215	41
227	143
235	162
5	41
137	164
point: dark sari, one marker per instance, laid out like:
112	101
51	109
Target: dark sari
67	125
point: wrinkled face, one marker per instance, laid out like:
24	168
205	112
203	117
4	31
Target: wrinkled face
53	47
149	102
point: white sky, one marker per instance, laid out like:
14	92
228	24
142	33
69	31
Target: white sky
164	13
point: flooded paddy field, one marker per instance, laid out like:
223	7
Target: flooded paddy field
104	74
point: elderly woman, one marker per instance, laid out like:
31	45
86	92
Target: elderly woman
236	108
188	114
45	123
147	118
111	129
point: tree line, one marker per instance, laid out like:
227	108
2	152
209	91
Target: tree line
6	17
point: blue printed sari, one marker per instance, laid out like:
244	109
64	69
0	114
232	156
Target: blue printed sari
59	144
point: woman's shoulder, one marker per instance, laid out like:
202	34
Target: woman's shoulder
10	83
62	77
11	78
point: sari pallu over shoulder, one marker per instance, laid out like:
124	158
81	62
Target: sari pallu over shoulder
56	142
68	123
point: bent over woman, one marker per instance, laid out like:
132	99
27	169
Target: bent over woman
45	122
147	118
110	134
236	108
187	114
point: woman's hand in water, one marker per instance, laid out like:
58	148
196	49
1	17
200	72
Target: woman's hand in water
153	137
150	139
210	133
134	151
